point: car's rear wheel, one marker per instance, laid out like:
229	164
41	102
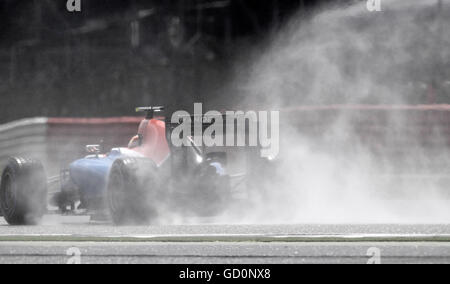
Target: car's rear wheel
131	190
23	192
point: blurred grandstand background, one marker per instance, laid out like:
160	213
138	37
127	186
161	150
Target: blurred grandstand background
116	54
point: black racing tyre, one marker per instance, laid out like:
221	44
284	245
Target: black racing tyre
131	187
23	192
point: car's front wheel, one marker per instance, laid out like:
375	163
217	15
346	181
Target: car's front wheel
130	188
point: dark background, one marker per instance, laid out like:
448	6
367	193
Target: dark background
117	54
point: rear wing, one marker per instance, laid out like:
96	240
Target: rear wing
150	111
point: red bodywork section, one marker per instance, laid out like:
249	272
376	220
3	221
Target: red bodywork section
153	142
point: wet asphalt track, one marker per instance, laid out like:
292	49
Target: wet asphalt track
223	253
219	243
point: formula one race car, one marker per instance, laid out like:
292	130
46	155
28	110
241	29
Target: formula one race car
131	185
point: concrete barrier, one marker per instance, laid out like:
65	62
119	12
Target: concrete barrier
26	137
59	141
417	135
